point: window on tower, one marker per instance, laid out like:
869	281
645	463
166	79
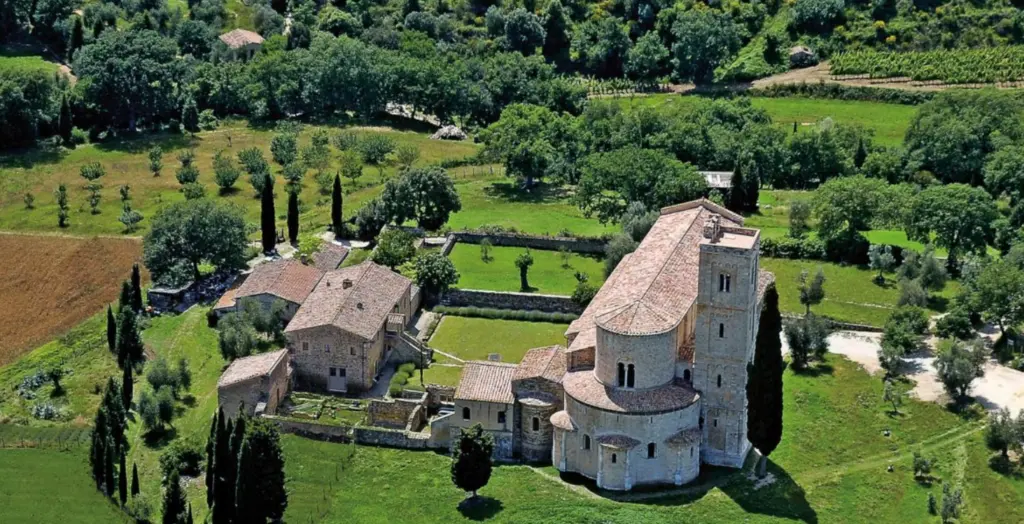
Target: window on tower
630	376
724	282
721	330
622	374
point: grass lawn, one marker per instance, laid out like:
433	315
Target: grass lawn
475	338
47	485
126	162
851	294
889	122
501	274
818	478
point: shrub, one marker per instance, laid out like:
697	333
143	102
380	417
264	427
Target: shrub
140	508
912	294
184	454
193	191
78	136
793	248
955	324
913	318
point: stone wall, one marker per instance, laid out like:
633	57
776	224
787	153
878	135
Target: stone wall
312	429
396	414
510	300
576	245
437	395
391	438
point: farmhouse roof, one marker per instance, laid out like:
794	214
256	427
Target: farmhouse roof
486	382
237	38
653	288
247	368
546	363
290	280
355	299
330	256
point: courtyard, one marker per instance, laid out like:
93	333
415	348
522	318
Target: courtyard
552	272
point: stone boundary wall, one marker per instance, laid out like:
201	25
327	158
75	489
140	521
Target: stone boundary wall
510	300
391	438
437	395
396	413
576	245
369	436
310	429
835	324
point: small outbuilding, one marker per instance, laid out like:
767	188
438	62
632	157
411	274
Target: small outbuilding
243	44
257	384
289	281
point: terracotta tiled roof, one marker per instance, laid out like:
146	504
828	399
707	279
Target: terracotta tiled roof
247	368
486	382
286	279
547	363
685	437
585	388
687	348
240	37
764	279
330	256
636	318
355	299
617	441
227	300
563	421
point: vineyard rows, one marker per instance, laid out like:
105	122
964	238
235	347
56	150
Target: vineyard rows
957	66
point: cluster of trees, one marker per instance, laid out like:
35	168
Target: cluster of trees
241	333
187	234
424	195
244	470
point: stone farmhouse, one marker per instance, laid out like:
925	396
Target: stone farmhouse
256	384
652	381
289	281
242	43
349	325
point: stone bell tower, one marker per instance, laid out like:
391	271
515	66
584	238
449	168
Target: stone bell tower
724	339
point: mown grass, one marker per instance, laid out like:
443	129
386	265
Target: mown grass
888	122
499	273
475	338
851	295
830	467
45	485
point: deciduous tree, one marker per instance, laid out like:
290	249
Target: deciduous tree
186	234
435	273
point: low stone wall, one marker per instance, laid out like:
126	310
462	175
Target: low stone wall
837	325
392	413
391	438
437	395
576	245
510	300
311	429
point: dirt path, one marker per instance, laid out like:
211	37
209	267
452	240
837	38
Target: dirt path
1000	387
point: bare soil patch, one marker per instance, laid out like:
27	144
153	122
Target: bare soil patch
50	283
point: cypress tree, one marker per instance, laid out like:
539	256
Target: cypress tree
129	342
556	39
237	436
336	223
211	446
135	480
98	446
736	192
471	461
97	29
189	519
108	468
269	231
260	489
136	288
122	481
125	299
174	499
127	387
64	124
223	488
111	330
293	217
115	414
860	155
77	38
764	382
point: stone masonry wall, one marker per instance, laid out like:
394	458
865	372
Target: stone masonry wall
510	300
576	245
391	413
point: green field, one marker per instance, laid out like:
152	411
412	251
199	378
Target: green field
889	122
499	273
475	338
817	477
45	485
851	295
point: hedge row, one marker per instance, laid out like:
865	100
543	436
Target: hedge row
835	91
401	378
506	314
851	251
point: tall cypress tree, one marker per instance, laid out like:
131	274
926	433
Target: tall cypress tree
125	299
98	446
764	382
237	436
211	447
127	387
77	38
336	223
556	39
129	342
174	500
267	227
122	481
223	488
115	414
135	480
111	330
136	288
260	488
736	192
860	155
109	468
64	124
293	217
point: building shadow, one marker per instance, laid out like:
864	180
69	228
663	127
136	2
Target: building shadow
783	498
480	508
511	191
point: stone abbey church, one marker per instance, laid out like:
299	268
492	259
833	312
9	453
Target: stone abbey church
652	381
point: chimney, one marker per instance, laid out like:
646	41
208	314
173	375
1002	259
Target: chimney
711	231
347	283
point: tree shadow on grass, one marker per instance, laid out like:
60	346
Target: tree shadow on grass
159	438
1005	466
815	370
28	157
143	143
540	193
937	303
480	508
783	498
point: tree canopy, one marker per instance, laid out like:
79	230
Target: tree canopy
186	234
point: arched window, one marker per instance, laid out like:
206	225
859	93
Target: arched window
630	376
715	422
586	441
719	380
622	374
536	424
651	448
465	413
721	330
615	458
686	375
